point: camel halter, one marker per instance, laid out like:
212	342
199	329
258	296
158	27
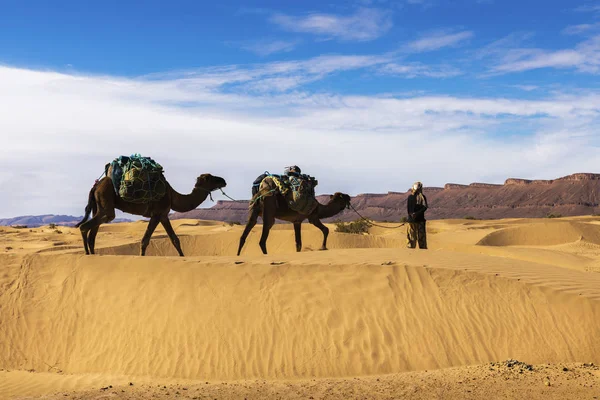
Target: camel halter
210	193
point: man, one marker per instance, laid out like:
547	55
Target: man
416	207
293	170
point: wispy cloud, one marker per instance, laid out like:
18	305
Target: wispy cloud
437	40
268	47
585	57
415	70
581	28
364	25
270	77
527	88
501	46
422	3
588	8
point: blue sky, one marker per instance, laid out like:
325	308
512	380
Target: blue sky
469	90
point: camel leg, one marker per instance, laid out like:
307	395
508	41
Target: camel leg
92	239
84	235
174	239
297	232
317	222
90	228
149	231
249	225
268	214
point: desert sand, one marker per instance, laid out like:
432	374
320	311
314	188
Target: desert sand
366	319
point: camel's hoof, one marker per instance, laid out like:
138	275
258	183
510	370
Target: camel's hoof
323	249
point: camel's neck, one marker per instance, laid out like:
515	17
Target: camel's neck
330	209
187	202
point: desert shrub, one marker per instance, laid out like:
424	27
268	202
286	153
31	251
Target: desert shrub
52	226
19	226
57	231
404	219
470	217
552	215
357	227
232	223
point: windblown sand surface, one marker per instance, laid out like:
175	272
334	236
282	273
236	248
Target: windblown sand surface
366	319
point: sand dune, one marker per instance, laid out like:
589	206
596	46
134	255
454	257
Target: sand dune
543	234
484	292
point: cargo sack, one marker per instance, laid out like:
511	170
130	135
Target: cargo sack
142	180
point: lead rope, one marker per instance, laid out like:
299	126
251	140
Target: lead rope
225	194
372	223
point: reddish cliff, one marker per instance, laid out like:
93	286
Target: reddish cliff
575	194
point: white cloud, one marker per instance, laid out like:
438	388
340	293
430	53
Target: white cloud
268	47
584	57
438	40
414	70
527	88
275	76
581	28
364	25
60	130
589	8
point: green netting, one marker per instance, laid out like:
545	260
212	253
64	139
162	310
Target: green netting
143	180
298	191
302	199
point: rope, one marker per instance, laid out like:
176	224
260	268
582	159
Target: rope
225	194
252	202
372	223
98	179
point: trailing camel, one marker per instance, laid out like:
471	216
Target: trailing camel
270	204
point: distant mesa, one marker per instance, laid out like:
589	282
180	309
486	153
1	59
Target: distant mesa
571	195
449	186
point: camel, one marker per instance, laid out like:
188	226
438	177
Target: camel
103	200
274	206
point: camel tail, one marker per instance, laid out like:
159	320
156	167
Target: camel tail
91	206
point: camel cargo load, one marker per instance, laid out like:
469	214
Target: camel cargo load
298	191
137	179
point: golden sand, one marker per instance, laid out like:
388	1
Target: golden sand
365	319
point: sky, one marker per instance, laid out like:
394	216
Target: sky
366	95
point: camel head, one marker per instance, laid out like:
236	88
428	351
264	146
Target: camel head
341	198
210	182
